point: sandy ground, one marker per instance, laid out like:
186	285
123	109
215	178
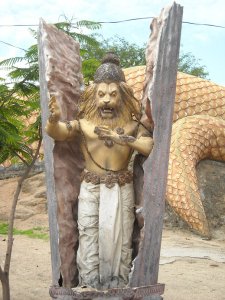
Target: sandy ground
190	267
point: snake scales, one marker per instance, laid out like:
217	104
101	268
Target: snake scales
198	133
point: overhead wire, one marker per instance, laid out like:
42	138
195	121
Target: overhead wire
116	22
103	22
12	45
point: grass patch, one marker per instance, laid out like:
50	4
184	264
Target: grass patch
36	232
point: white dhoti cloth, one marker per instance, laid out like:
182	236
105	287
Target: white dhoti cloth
105	222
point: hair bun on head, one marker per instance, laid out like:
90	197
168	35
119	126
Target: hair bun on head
110	70
111	57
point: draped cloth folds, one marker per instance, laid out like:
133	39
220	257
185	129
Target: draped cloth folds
105	222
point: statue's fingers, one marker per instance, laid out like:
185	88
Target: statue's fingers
54	106
52	98
103	127
107	135
52	101
105	130
50	104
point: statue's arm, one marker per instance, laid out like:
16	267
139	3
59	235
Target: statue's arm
143	143
59	131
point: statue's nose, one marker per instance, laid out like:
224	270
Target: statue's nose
106	100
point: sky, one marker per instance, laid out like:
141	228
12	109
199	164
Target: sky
206	43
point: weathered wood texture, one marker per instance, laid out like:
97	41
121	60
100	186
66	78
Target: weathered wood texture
48	145
162	93
60	75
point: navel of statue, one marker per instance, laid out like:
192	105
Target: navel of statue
106	207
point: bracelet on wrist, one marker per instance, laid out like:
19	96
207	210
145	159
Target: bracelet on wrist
127	138
52	119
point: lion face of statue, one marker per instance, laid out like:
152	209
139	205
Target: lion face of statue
111	104
108	100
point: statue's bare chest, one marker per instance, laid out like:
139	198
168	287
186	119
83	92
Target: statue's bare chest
104	151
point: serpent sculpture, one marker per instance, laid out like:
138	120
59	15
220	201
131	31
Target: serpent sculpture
198	133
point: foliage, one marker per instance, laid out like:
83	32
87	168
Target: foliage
130	54
14	136
189	64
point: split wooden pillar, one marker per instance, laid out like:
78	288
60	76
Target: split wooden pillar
161	93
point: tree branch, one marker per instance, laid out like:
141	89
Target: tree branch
13	210
21	158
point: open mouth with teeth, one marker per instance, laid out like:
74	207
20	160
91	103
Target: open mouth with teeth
107	112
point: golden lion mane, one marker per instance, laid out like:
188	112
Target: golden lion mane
129	107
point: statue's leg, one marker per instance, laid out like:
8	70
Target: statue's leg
127	201
110	235
88	225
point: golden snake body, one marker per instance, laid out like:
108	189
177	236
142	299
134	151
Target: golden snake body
198	133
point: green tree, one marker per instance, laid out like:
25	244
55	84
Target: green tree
189	64
18	103
130	54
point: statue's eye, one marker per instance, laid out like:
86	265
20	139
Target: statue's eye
101	94
114	94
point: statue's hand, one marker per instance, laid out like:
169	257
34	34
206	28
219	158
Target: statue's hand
104	132
55	113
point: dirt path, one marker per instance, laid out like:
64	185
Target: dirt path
30	274
190	267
